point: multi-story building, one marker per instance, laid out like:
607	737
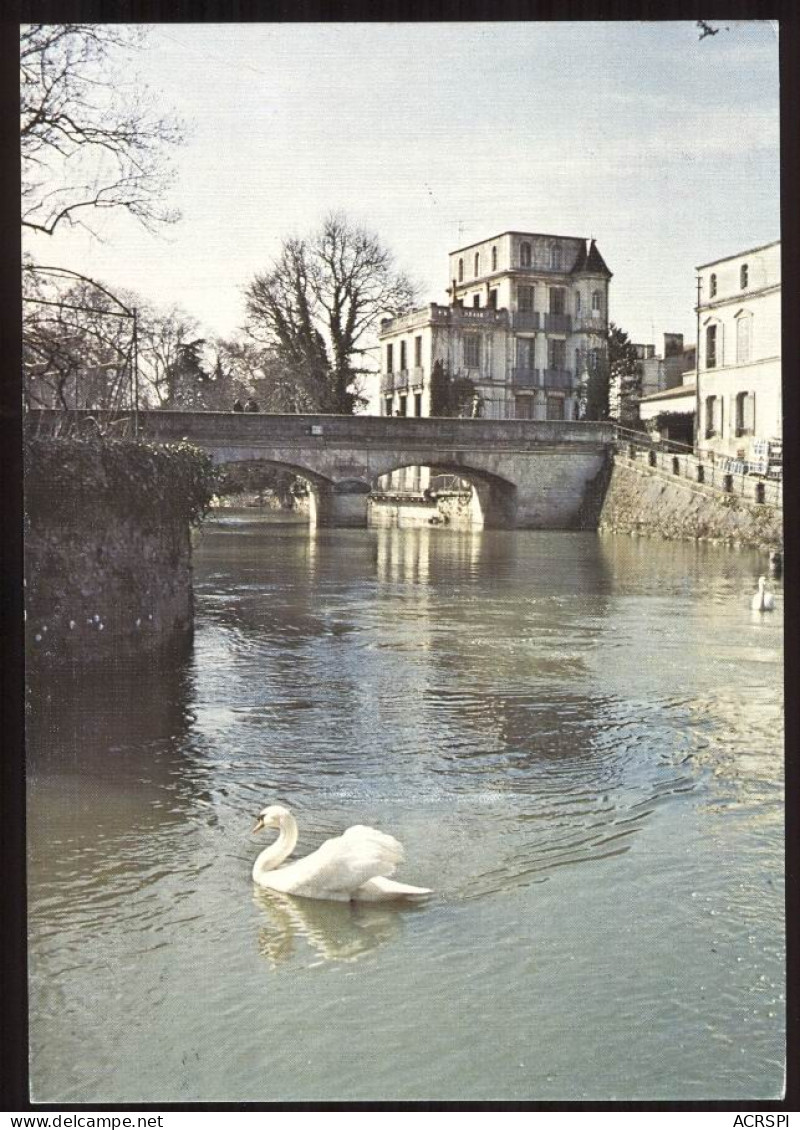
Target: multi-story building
660	372
527	321
739	374
667	387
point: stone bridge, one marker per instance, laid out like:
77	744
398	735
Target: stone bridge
526	474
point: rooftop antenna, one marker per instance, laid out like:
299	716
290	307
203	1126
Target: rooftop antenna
463	225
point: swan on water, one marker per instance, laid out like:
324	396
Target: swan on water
352	867
763	601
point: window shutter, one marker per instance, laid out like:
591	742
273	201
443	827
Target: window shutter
750	412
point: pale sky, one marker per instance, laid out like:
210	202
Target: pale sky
663	147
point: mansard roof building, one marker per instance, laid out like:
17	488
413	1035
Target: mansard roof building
526	323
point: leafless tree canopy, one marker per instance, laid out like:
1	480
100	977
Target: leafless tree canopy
87	139
318	304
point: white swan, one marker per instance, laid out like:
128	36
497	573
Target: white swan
763	601
350	867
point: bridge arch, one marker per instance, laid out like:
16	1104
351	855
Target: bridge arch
493	501
323	491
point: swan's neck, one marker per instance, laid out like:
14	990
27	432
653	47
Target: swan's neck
283	847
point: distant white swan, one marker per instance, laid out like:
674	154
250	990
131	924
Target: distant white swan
350	867
763	601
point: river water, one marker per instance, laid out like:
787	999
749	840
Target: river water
578	739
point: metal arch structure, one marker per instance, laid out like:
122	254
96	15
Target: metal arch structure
132	356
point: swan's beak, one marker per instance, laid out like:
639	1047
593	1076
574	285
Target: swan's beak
259	824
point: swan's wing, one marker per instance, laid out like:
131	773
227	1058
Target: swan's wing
369	842
343	863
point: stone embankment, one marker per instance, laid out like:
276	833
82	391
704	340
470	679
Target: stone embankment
647	501
108	548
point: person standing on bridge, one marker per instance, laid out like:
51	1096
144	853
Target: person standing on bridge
251	406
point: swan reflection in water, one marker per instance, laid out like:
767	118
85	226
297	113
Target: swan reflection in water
335	931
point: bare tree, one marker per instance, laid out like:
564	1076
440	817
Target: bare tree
256	371
163	335
318	305
87	142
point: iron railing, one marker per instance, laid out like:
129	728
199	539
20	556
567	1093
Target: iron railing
700	465
525	320
526	378
558	378
558	323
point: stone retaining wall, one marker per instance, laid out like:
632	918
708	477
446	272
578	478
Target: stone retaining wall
642	500
103	587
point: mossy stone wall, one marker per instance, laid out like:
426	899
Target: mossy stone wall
108	573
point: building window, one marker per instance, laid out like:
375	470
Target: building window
525	299
555	257
418	352
493	298
387	406
403	410
577	302
714	406
477	263
556	353
744	276
403	358
417	403
476	301
712	286
389	358
524	255
711	347
460	270
555	408
494	258
557	300
743	339
746	414
526	353
472	346
596	302
523	407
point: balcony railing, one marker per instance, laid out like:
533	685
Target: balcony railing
558	323
525	320
477	314
590	322
558	378
443	315
402	378
526	378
